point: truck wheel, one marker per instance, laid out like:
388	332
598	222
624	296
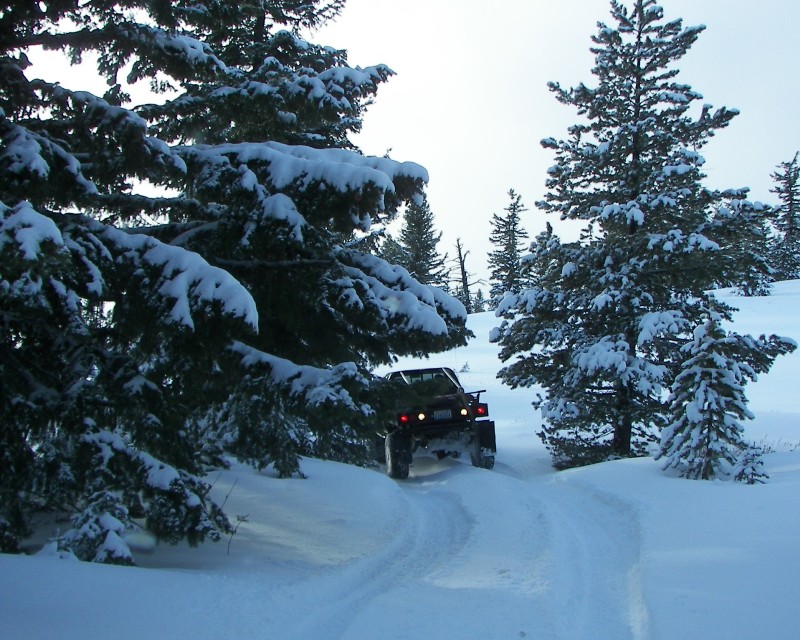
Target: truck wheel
398	453
482	458
483	445
487	459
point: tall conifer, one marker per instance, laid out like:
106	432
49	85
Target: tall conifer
143	335
602	327
417	247
508	238
786	256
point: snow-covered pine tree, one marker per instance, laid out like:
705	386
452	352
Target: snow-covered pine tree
742	229
601	328
786	251
508	238
416	248
705	439
143	333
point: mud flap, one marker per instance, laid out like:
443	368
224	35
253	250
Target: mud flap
486	435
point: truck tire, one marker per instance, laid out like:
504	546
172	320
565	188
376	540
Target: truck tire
481	455
482	458
398	455
486	460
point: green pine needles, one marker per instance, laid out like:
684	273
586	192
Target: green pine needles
508	239
185	279
607	327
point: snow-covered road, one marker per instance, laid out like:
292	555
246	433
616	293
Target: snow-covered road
536	558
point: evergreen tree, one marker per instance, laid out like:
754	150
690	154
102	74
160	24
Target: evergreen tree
142	336
786	253
742	229
705	439
602	326
416	248
393	252
508	238
479	304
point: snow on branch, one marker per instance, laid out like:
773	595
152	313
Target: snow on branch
181	46
340	169
26	155
631	211
185	276
675	241
175	497
281	207
398	296
606	354
315	385
609	355
112	120
28	228
655	323
159	474
22	153
326	87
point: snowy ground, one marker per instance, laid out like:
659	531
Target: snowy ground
615	551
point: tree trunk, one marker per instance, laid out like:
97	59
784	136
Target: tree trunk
623	425
462	267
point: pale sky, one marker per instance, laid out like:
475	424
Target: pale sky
470	99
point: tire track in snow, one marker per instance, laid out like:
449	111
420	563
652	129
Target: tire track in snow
552	559
427	527
596	552
491	585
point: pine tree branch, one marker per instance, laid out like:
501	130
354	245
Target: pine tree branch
79	39
273	264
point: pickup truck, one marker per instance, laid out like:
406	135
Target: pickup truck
436	413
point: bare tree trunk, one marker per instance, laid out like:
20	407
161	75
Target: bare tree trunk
461	256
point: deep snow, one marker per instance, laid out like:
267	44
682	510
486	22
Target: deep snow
614	551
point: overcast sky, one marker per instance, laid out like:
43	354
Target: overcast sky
470	99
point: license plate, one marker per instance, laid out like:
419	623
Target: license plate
442	414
